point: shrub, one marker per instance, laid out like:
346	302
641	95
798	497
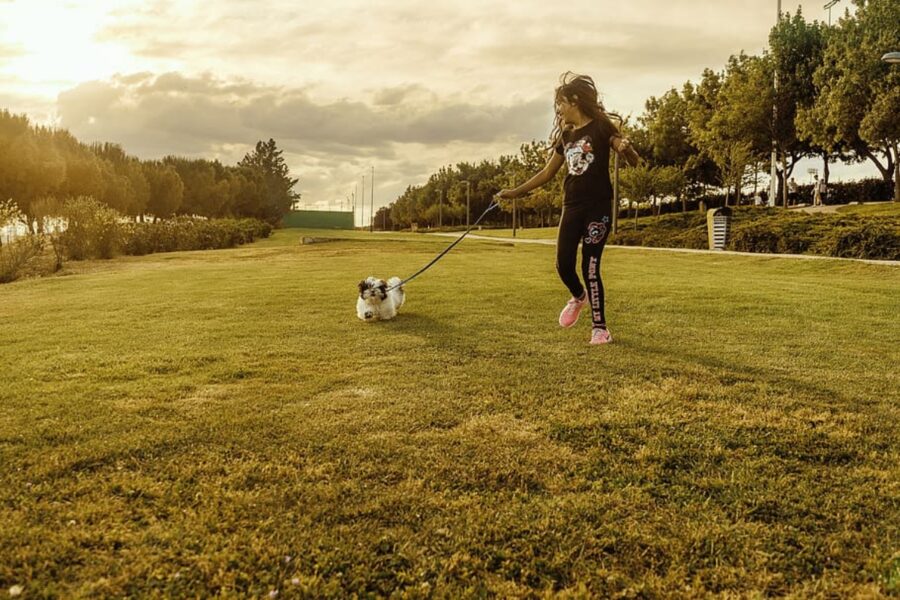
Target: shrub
773	230
864	190
16	255
92	230
185	233
754	237
866	239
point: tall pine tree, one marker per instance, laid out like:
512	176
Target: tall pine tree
267	162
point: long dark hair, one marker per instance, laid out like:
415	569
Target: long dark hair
581	91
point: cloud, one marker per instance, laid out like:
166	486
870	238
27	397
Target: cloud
408	128
195	112
8	51
403	85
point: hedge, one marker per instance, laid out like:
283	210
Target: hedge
772	230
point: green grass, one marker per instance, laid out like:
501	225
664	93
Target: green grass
220	423
880	208
528	233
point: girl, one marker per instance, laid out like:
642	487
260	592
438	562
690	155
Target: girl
582	136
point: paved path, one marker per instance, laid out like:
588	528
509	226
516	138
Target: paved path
824	208
827	208
894	263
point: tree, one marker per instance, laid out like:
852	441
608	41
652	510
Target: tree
795	52
856	103
702	100
733	160
668	129
30	167
166	189
279	195
670	182
126	188
639	185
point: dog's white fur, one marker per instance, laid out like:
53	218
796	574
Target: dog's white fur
375	302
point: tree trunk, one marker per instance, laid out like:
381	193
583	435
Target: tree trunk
896	173
825	171
784	176
885	170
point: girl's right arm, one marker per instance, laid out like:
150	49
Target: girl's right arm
543	176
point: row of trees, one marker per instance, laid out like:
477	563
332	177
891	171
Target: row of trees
37	163
834	99
818	91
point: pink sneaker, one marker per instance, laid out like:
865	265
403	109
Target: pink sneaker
570	312
600	336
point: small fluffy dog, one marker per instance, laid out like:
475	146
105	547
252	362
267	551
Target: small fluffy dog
375	302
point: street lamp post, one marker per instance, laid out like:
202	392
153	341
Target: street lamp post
468	186
615	211
893	58
372	201
828	6
773	175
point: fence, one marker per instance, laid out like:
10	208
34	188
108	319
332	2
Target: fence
318	219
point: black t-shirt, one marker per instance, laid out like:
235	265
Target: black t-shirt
586	152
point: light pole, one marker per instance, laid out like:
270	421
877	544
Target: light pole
773	175
362	204
893	58
372	200
828	6
468	186
615	211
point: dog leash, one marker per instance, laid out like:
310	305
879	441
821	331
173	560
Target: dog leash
450	247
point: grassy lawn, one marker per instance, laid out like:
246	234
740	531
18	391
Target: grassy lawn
528	233
220	423
880	208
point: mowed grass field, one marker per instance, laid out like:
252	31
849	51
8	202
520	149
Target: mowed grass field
220	424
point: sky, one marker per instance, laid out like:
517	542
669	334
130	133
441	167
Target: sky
343	86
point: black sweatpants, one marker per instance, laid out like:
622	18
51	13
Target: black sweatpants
589	224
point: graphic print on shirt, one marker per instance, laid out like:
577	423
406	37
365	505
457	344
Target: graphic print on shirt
579	155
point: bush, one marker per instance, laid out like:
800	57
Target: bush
185	233
92	229
16	255
679	230
867	239
790	233
775	231
864	190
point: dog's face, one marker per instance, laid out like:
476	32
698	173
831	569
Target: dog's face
373	290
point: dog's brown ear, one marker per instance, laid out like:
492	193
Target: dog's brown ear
362	286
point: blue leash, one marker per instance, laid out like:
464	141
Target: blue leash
450	247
